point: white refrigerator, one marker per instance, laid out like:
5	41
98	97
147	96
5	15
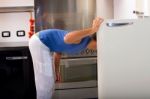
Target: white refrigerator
124	59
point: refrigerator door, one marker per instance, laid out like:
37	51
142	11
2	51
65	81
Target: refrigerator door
124	59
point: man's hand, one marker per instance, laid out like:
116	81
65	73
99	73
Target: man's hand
57	57
58	77
76	36
96	24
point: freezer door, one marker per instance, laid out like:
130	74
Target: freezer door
124	59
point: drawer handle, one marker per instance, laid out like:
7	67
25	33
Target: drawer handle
17	58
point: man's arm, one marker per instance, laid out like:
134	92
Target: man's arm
57	57
77	36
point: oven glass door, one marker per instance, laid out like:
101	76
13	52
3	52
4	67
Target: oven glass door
78	72
78	79
81	69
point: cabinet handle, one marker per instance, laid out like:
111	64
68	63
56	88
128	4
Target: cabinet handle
17	58
110	24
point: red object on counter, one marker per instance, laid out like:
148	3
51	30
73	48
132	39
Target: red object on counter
31	32
32	21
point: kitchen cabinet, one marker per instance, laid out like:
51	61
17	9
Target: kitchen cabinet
116	9
14	18
16	73
14	24
7	6
16	9
143	8
131	9
16	3
123	9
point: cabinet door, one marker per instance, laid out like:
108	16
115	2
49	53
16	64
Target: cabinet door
143	6
15	3
123	9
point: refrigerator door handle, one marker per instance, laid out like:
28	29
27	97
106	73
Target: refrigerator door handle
111	24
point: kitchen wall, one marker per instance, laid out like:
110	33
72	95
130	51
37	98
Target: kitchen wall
105	8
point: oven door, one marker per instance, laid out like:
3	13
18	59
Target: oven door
78	78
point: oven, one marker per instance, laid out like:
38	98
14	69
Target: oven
16	74
78	76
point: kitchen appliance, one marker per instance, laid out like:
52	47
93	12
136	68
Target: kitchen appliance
124	59
78	77
78	71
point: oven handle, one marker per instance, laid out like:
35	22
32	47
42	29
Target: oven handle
16	57
79	59
76	61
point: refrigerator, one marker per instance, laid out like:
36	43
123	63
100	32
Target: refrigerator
124	59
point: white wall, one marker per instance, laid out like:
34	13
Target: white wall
105	9
15	3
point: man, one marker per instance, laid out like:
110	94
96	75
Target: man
57	41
